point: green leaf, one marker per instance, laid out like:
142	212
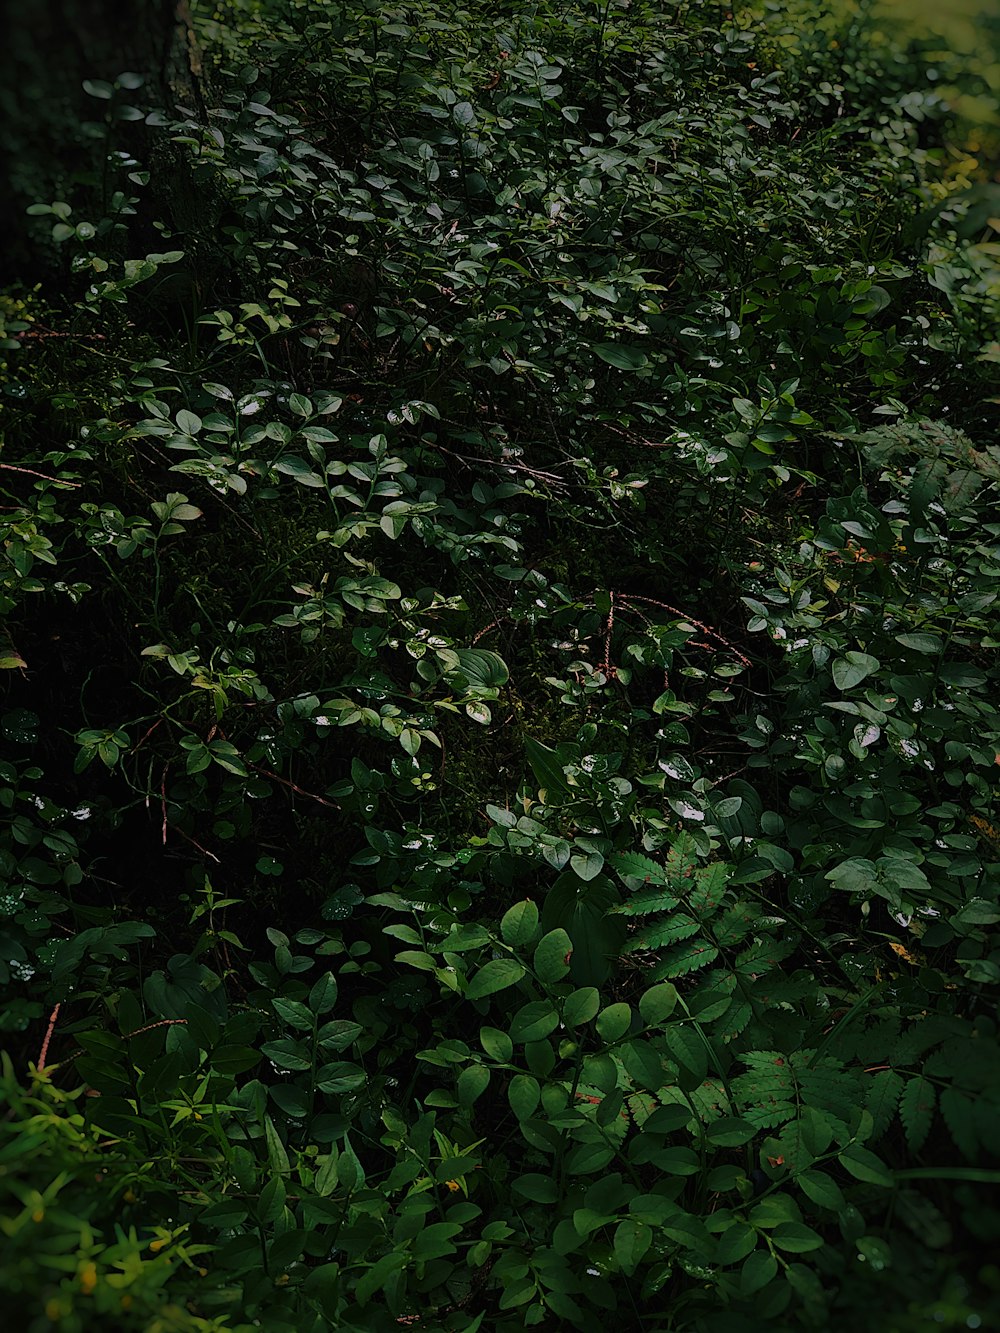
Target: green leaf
523	1093
276	1154
730	1132
471	1084
642	1063
883	1094
688	1049
327	1179
350	1170
821	1189
614	1021
534	1021
481	668
632	1240
587	1158
864	1165
757	1272
916	1110
621	357
658	1003
497	1045
536	1187
519	924
852	669
921	643
796	1237
553	955
638	872
581	1005
735	1243
548	770
436	1241
323	995
495	976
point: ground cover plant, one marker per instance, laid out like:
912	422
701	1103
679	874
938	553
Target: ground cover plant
499	662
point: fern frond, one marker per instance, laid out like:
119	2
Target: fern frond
916	1110
883	1096
642	904
669	931
684	959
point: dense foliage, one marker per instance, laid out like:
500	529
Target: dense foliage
500	710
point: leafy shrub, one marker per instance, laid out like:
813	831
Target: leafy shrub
500	648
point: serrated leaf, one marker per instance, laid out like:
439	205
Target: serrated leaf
635	870
686	958
916	1110
959	1113
883	1095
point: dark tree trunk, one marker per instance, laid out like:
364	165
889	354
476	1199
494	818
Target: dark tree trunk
50	148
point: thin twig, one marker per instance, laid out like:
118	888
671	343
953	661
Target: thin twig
285	782
204	850
29	471
43	1053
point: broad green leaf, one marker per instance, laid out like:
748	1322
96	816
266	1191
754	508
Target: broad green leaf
497	1045
621	357
735	1243
632	1240
523	1093
471	1084
553	955
534	1021
581	1006
614	1021
436	1241
323	995
548	770
852	669
821	1189
519	924
536	1187
757	1271
687	1047
586	1158
643	1063
658	1003
730	1132
494	976
327	1179
796	1237
864	1165
349	1168
482	668
921	643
